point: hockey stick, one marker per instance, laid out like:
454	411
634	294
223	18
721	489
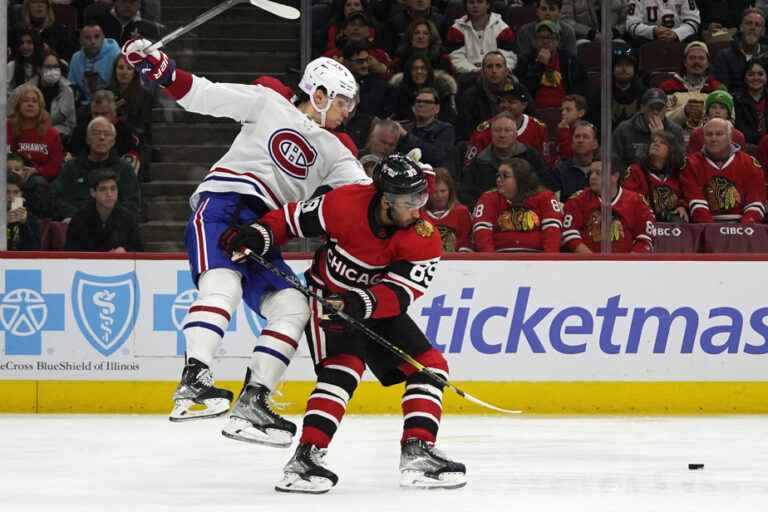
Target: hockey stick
293	281
283	11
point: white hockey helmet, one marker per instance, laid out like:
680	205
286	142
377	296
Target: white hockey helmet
336	79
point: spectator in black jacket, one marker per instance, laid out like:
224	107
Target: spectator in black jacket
23	230
377	97
572	175
751	103
481	101
717	15
393	33
549	73
38	198
102	225
480	176
427	132
729	65
627	89
123	21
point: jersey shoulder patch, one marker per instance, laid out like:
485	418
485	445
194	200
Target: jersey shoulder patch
483	126
424	228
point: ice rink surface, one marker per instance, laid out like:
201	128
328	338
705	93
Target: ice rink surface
59	463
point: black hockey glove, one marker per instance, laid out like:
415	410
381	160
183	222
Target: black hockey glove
256	237
351	303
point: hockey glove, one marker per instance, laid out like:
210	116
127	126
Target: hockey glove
154	66
256	237
356	303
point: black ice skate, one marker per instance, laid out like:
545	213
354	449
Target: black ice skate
196	397
254	421
306	472
423	466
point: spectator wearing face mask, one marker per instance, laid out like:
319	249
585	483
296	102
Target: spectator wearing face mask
58	95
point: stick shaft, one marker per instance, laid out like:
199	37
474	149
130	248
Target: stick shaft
207	15
293	281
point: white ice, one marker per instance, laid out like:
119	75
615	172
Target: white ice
57	463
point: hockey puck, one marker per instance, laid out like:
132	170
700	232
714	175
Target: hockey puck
694	467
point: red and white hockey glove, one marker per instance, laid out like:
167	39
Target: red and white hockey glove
154	66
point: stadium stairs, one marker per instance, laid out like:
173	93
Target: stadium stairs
237	46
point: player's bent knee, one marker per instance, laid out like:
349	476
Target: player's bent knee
433	359
286	311
221	285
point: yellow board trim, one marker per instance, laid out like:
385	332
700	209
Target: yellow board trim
371	398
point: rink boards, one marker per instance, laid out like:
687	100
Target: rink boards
542	334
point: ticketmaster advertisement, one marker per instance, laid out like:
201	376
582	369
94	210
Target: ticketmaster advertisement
498	321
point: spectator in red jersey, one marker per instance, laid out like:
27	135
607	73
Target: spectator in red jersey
341	11
751	103
31	135
722	184
551	74
657	178
530	131
719	104
519	215
481	174
357	29
477	33
572	110
423	40
572	174
632	220
444	211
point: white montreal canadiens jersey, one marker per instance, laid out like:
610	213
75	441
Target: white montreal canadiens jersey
682	16
280	155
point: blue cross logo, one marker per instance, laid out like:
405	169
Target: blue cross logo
169	309
25	312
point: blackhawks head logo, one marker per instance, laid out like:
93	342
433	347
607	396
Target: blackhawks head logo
594	227
517	219
449	238
721	195
663	199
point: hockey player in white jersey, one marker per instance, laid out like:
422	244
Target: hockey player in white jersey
665	20
283	153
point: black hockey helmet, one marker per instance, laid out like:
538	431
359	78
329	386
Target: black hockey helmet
399	175
622	52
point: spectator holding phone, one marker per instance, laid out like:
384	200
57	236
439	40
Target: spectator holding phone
23	230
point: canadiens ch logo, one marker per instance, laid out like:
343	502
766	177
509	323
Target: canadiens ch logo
292	153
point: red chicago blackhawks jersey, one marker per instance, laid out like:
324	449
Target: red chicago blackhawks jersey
388	267
731	191
631	228
662	192
454	225
534	226
531	132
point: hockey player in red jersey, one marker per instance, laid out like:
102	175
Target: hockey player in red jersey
445	212
721	183
380	256
632	224
519	215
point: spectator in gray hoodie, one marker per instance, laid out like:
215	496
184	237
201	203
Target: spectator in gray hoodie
633	136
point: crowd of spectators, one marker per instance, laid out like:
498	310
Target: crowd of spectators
504	102
75	112
499	97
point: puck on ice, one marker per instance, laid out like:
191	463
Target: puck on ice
695	466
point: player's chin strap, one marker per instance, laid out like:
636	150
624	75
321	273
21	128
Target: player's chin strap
321	111
293	281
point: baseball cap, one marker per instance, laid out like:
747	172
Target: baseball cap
696	44
550	25
653	96
510	91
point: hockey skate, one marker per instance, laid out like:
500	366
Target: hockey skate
422	466
306	472
196	397
253	420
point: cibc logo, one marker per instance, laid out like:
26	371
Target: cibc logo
737	230
667	231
